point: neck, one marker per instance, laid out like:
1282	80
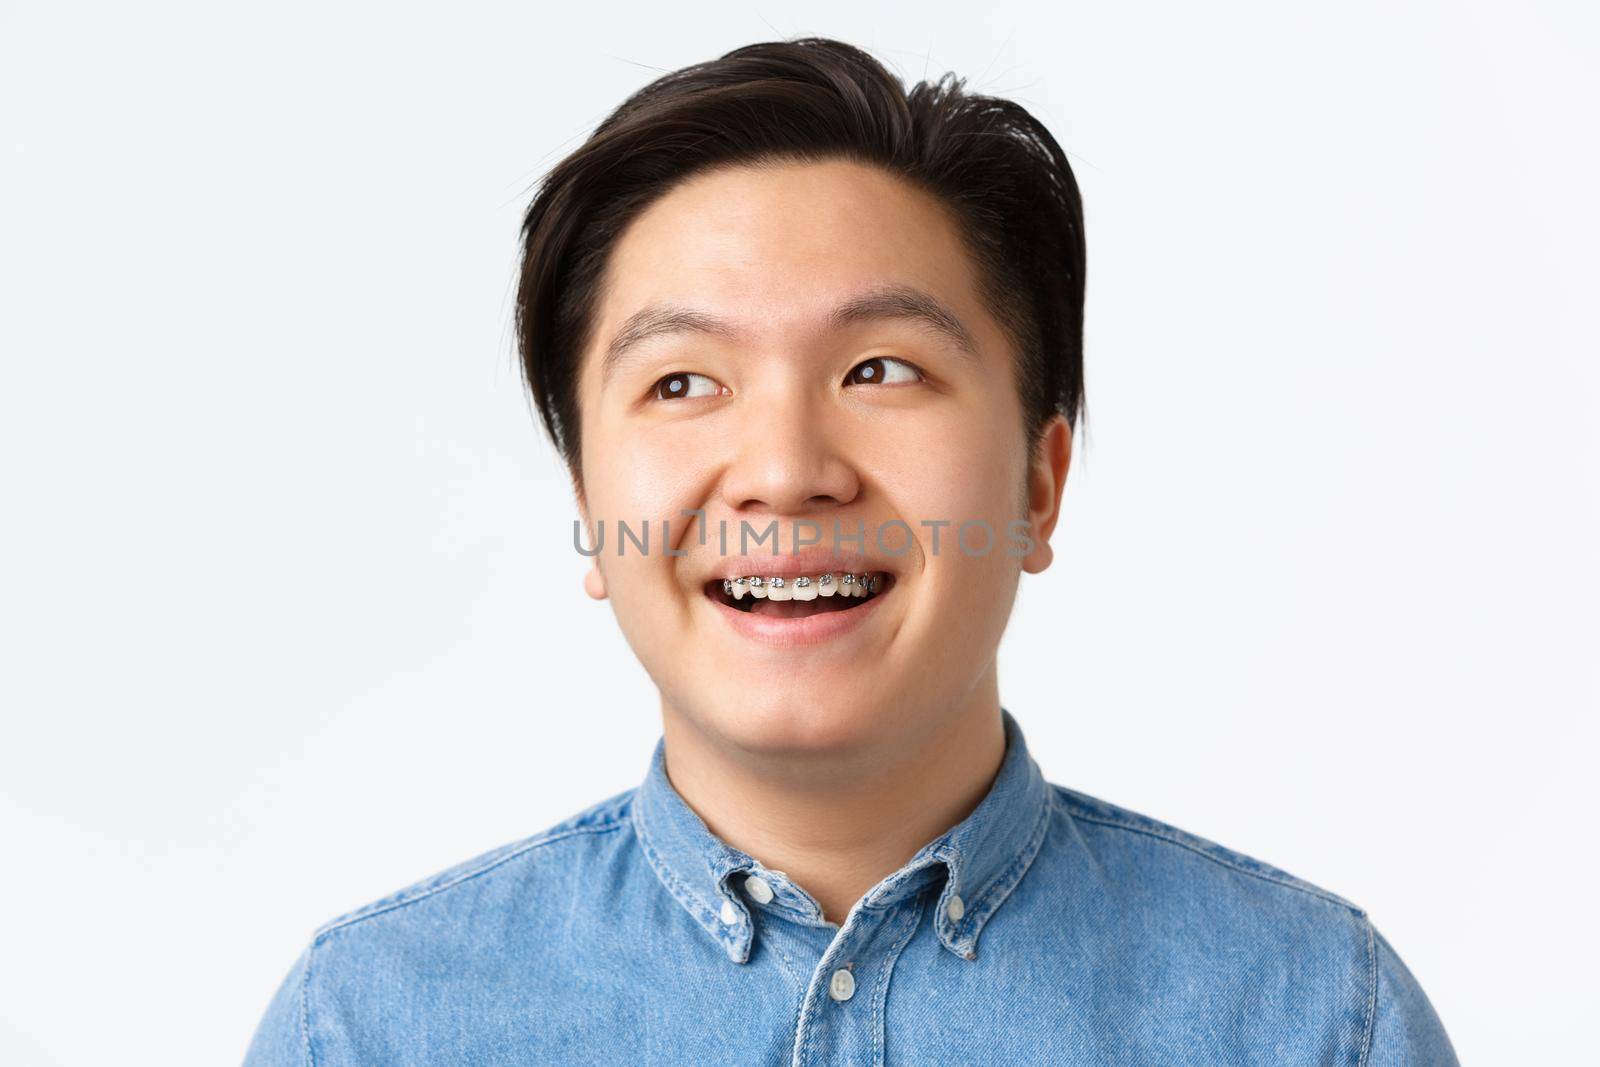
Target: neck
837	822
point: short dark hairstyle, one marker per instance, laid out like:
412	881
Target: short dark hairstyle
812	99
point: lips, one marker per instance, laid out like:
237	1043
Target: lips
795	625
799	598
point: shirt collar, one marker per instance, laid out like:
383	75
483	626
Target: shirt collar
982	858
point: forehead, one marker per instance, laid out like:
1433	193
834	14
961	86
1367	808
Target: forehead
778	246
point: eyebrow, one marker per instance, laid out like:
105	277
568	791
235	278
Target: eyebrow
885	302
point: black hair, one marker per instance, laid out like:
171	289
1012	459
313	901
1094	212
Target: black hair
997	168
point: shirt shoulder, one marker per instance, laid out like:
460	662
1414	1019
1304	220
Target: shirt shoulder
1111	831
1173	902
360	989
538	853
1260	958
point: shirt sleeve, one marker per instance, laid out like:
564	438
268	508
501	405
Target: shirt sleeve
280	1039
1406	1032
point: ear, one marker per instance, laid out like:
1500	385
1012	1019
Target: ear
1047	480
594	580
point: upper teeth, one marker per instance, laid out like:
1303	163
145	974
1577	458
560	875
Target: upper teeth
805	587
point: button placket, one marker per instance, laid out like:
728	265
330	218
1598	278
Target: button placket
847	1024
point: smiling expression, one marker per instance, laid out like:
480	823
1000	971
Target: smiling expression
804	344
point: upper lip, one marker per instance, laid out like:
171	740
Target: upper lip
811	561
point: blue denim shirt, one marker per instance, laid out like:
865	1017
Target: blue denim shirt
1046	927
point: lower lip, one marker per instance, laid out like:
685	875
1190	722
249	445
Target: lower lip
815	629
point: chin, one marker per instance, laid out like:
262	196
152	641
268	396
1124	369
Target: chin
795	718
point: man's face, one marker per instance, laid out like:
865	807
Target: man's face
881	423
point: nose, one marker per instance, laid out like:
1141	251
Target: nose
788	461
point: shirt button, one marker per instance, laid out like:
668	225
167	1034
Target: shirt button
759	889
730	914
955	909
842	986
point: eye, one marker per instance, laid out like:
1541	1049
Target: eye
683	384
882	369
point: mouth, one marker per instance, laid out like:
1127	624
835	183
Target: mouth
800	596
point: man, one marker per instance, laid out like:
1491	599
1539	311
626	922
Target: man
775	298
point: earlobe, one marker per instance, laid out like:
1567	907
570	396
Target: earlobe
1047	479
1040	558
594	583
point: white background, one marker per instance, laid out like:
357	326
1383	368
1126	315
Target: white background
289	612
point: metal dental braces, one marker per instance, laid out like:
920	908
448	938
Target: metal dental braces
873	584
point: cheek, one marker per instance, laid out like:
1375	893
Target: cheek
641	478
955	470
642	488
